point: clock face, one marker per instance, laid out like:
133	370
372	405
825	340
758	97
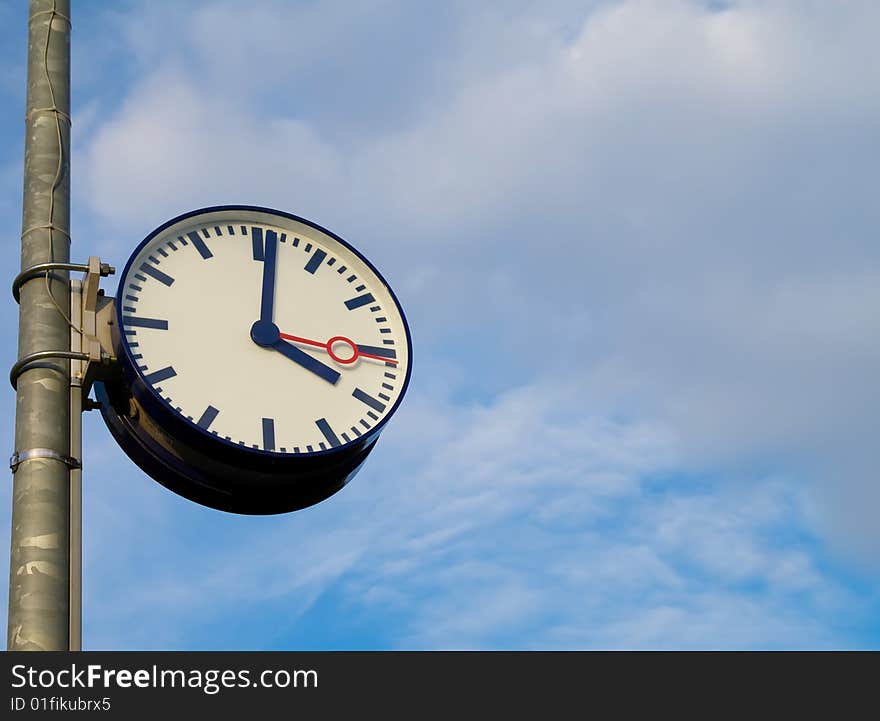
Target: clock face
264	331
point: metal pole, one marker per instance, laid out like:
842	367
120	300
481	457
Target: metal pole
76	402
39	563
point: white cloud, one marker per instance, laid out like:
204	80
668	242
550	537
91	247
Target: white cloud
471	547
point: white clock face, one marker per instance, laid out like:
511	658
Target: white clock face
264	331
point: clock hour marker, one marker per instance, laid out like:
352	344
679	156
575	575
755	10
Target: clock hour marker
315	261
374	403
200	245
207	418
160	375
374	350
360	300
145	322
257	240
325	428
156	273
269	434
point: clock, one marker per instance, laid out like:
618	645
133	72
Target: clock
259	358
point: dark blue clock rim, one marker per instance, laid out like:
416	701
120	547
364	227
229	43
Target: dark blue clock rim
153	399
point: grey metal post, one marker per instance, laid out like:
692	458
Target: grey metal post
39	563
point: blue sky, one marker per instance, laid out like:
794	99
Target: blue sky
636	242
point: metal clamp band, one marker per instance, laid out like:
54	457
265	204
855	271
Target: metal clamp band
41	269
20	457
22	364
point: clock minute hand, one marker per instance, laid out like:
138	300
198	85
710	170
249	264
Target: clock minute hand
267	300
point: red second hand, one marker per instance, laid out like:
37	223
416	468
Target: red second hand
327	347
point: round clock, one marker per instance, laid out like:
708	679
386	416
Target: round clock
260	356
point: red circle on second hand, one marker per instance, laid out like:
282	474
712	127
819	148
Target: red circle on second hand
349	343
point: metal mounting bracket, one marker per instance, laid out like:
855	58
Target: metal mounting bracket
30	454
95	313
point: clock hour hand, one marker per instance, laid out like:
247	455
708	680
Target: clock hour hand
266	335
267	300
306	361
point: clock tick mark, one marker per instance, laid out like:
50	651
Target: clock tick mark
378	350
295	242
160	375
376	308
359	301
230	230
155	273
217	230
139	322
207	418
162	252
199	244
365	397
268	434
327	431
308	248
315	261
257	242
331	261
206	233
